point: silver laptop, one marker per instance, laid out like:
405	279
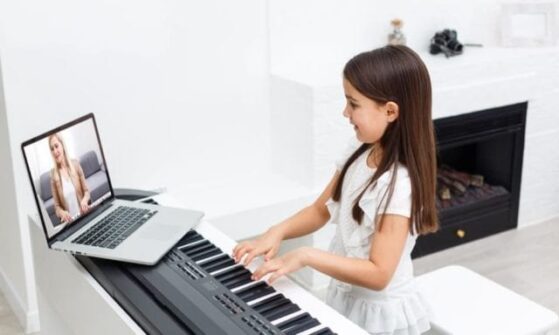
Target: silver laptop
77	204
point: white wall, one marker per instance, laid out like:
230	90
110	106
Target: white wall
16	271
314	33
179	90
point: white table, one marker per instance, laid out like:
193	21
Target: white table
70	300
464	302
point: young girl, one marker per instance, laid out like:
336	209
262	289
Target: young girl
381	197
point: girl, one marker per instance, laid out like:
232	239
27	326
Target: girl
381	197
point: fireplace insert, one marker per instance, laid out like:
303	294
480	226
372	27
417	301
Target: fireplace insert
479	172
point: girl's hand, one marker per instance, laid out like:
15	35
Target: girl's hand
290	262
267	244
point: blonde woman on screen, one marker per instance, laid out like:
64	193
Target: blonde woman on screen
69	190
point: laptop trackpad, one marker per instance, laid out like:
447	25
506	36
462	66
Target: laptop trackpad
160	232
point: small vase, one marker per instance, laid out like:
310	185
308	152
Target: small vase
397	37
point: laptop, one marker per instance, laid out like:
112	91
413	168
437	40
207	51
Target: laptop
77	204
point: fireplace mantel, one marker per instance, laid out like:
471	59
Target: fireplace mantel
481	78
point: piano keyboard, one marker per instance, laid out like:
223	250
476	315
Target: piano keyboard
199	282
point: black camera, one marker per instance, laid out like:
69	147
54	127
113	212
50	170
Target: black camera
446	42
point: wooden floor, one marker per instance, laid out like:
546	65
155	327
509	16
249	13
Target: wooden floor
524	260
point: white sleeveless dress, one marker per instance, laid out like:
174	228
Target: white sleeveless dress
70	195
399	308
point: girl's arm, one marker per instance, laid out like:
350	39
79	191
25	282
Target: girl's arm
374	273
306	221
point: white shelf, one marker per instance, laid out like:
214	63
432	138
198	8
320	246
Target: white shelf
224	197
491	61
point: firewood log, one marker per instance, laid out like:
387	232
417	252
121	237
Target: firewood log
443	192
465	178
476	180
462	177
453	185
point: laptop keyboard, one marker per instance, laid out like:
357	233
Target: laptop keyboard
115	227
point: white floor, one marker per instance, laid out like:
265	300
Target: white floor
8	322
523	260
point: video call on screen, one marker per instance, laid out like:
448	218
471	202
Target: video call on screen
68	173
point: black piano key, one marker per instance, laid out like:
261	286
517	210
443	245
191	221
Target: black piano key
274	306
199	250
238	280
190	237
307	324
281	311
234	269
213	261
220	265
231	273
255	291
323	331
206	254
194	248
241	279
299	319
263	305
191	233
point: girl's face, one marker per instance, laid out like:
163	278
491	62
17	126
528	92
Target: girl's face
369	119
57	150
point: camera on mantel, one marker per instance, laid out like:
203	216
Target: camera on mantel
446	42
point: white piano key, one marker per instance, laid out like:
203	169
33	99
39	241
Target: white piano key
313	329
306	301
184	246
208	258
257	300
289	317
217	272
238	288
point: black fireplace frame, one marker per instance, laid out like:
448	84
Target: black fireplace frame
496	137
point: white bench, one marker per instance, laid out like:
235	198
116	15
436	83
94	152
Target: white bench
464	302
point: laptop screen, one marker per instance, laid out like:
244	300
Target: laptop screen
68	173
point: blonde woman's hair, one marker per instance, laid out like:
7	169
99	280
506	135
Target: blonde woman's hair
66	159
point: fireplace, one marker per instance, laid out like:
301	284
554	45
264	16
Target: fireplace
480	167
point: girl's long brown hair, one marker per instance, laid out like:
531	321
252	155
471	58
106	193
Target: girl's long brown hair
396	73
